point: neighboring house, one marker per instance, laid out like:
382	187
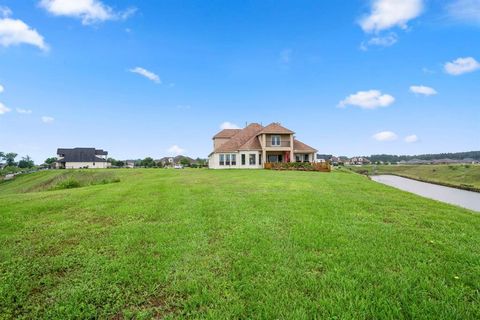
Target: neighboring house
130	163
358	161
171	161
78	158
255	144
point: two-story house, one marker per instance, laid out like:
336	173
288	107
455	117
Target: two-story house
255	144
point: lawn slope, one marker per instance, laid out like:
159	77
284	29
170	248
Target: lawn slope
455	175
236	244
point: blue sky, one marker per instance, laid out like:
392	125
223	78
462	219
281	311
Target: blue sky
366	77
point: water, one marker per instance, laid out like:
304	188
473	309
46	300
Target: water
462	198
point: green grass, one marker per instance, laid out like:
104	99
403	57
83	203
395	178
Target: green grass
235	244
56	179
463	176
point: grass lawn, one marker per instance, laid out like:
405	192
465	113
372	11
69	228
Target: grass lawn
234	244
455	175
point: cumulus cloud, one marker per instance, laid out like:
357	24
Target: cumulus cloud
1	88
370	99
24	111
175	150
15	32
147	74
461	66
46	119
228	125
411	138
426	91
385	136
386	14
464	11
89	11
3	109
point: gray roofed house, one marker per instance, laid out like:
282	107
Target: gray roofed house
77	158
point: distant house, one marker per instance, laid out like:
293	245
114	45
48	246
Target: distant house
255	144
130	163
358	161
78	158
171	161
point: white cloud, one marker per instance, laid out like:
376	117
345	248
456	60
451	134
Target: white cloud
2	88
411	138
24	111
89	11
386	14
15	32
370	99
286	56
464	11
228	125
175	150
3	109
385	41
46	119
385	136
427	91
5	12
147	74
461	65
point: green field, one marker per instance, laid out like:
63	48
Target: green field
455	175
233	244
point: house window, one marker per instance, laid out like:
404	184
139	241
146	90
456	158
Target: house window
227	159
251	158
259	159
305	158
243	159
275	140
222	159
234	159
297	158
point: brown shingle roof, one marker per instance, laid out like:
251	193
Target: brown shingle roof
240	138
275	127
300	146
252	144
227	133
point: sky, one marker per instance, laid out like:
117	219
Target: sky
158	78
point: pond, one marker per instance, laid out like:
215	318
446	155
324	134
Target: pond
462	198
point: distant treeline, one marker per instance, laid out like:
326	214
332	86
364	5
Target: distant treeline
434	156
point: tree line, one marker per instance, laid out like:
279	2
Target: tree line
432	156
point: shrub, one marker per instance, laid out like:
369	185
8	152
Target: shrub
69	183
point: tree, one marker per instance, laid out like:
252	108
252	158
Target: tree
10	158
26	162
185	162
148	162
50	161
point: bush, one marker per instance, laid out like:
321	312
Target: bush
69	183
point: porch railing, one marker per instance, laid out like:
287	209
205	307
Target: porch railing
284	143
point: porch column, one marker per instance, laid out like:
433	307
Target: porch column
291	148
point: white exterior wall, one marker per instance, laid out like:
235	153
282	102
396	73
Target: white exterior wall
214	161
79	165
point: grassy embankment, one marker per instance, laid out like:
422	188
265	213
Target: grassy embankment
234	244
465	177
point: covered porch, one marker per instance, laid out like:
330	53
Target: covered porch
288	156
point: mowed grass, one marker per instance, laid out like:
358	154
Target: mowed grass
236	244
455	175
